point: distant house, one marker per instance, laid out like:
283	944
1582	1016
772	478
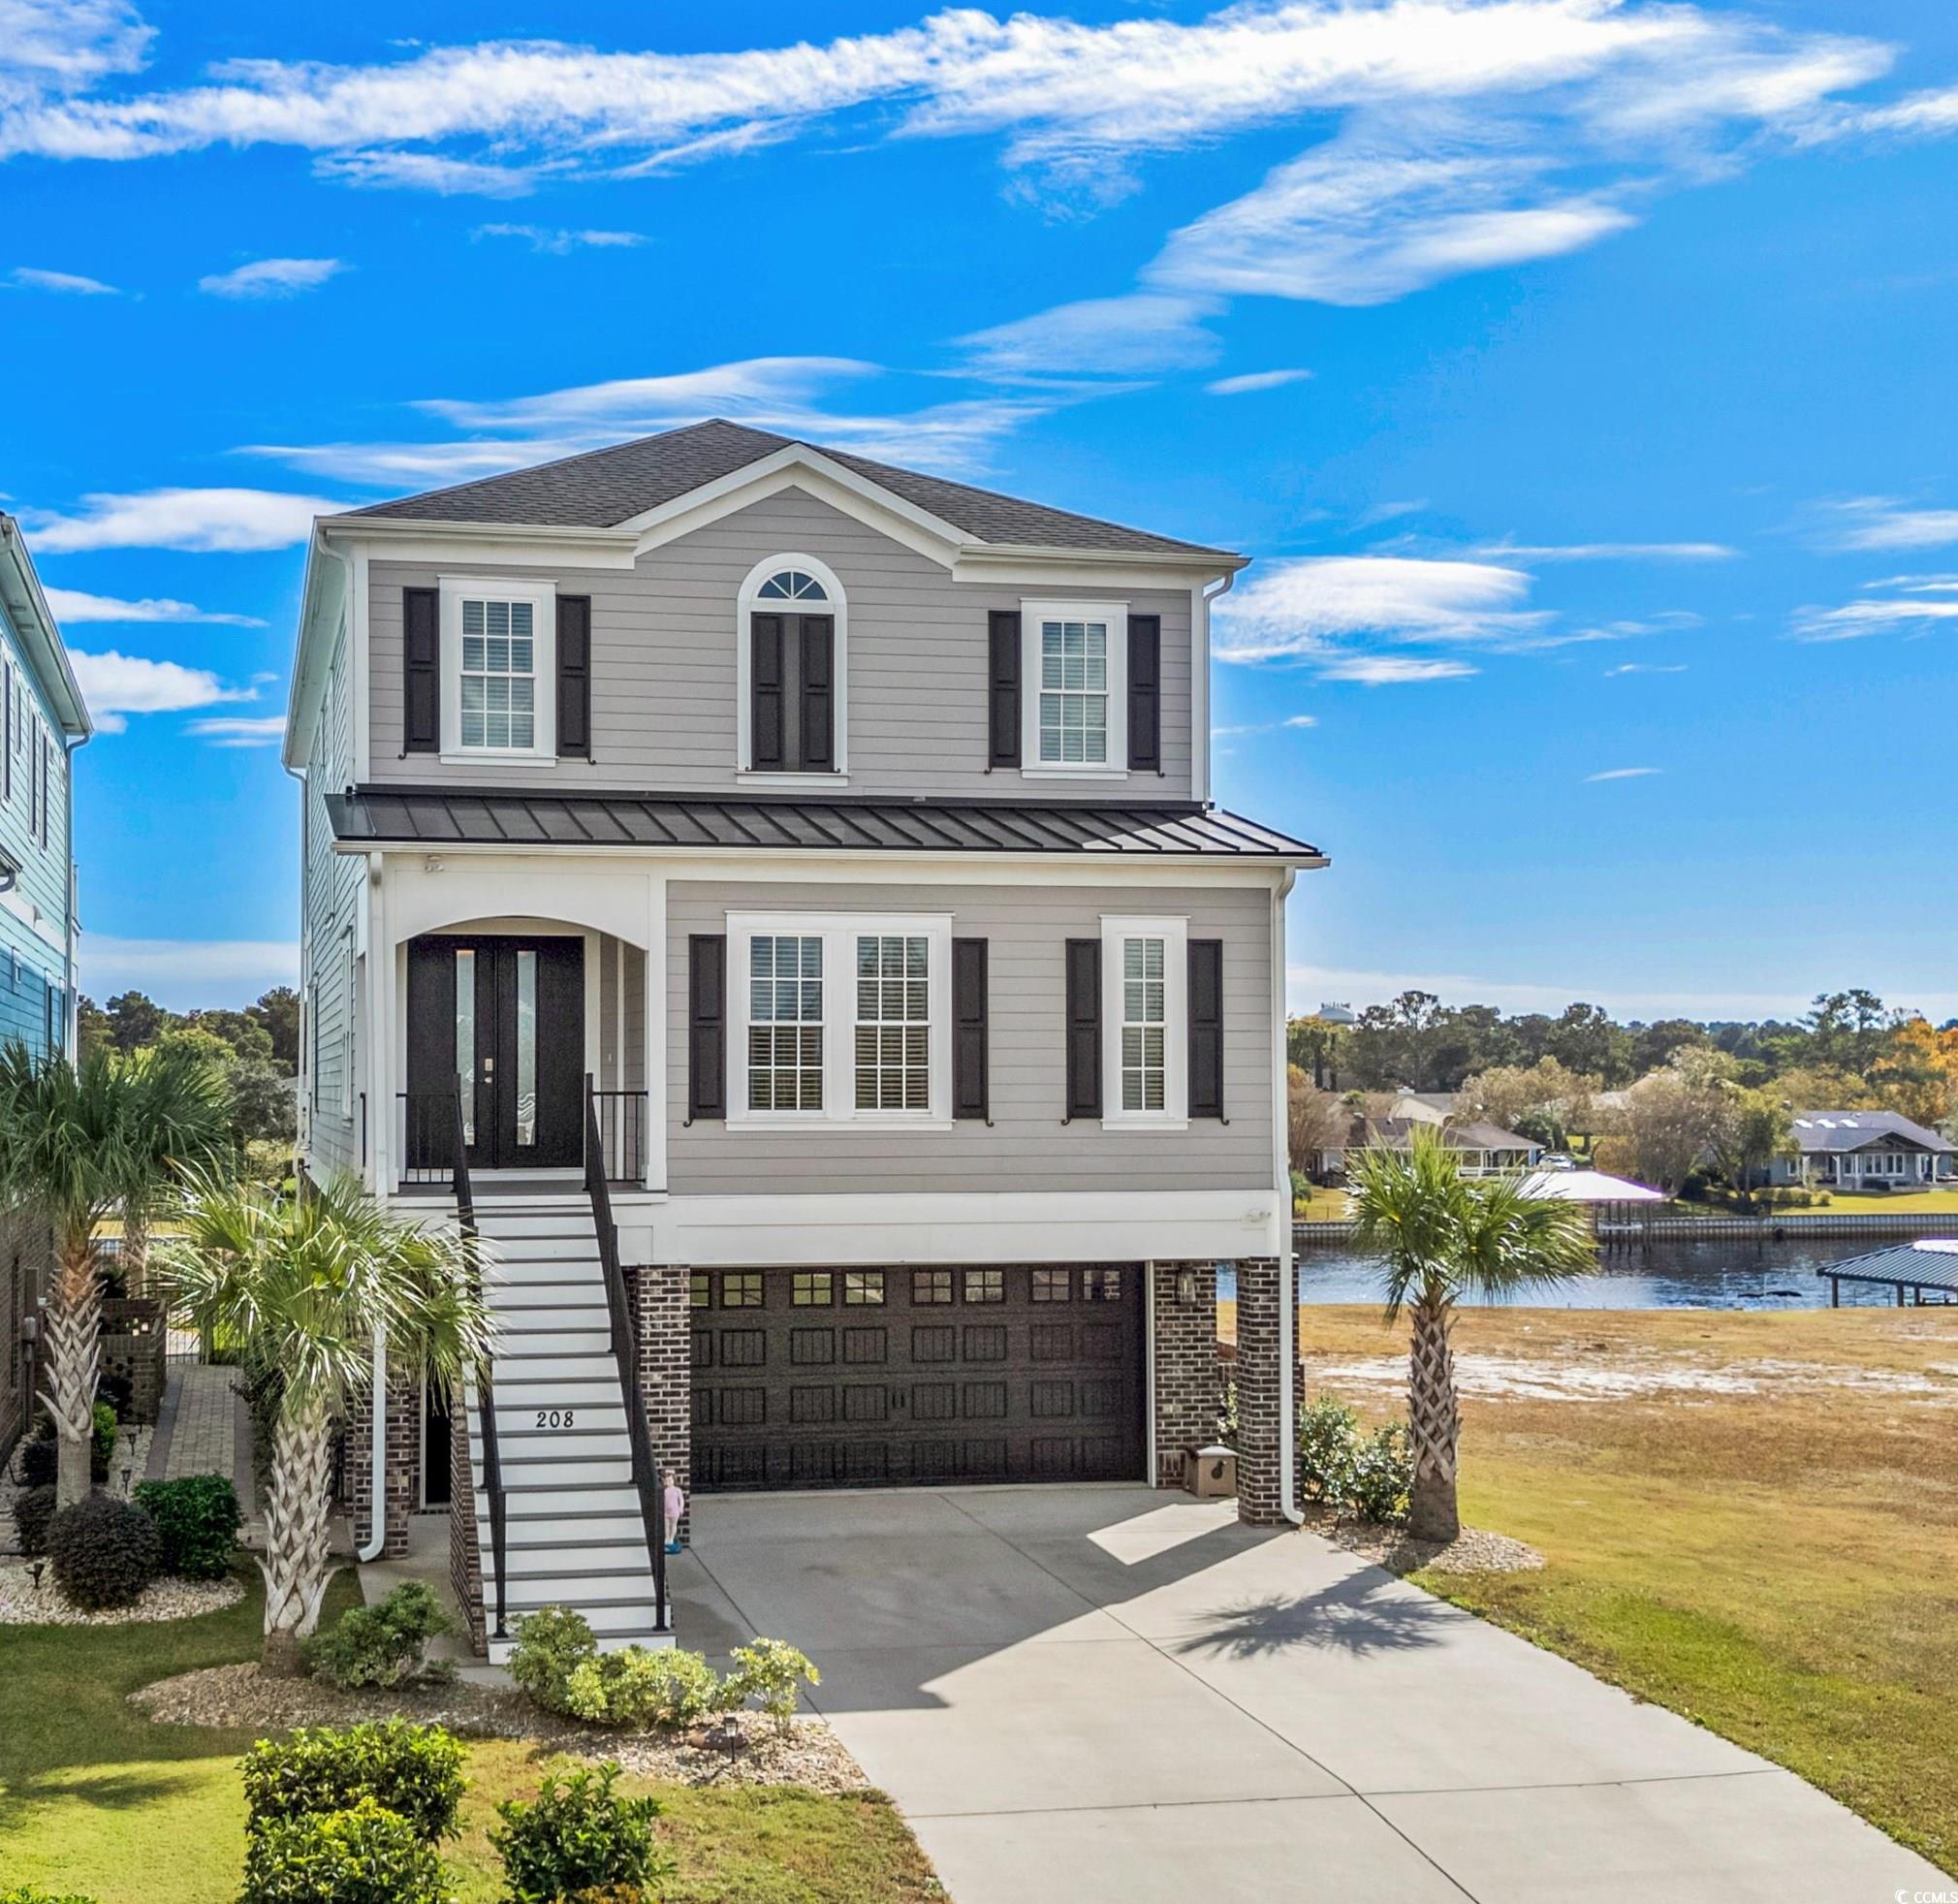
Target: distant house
1485	1150
1853	1150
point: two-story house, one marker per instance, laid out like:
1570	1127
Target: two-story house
823	852
42	720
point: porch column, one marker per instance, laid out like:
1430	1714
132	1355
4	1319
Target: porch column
665	1333
1261	1428
1184	1376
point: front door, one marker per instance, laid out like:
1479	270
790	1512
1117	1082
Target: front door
506	1018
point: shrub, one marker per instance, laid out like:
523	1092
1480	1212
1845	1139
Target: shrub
415	1771
638	1687
551	1645
101	1448
381	1645
197	1520
32	1510
772	1673
1368	1476
38	1457
578	1837
105	1552
116	1389
1380	1474
1326	1430
365	1854
34	1894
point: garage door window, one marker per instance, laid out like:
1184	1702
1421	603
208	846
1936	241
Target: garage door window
813	1289
985	1285
928	1285
863	1288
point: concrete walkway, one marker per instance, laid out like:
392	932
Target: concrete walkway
1078	1694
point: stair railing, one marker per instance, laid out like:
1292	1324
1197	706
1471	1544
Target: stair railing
625	1350
486	1387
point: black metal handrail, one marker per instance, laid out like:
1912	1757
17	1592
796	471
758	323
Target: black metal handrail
621	1132
432	1129
486	1387
625	1348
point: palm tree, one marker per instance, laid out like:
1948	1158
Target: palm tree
1440	1237
303	1283
64	1151
177	1119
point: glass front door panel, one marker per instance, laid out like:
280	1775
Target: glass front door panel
465	1039
527	1048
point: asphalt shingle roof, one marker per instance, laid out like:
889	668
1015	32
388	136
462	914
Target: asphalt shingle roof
432	817
600	488
1835	1131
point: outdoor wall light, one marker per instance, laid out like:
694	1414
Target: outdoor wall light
1185	1285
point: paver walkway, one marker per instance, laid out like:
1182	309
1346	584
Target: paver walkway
1079	1694
197	1429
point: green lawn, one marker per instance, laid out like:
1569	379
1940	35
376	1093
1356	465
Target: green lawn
94	1798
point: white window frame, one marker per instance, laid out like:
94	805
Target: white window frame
840	932
1175	935
543	599
747	603
1032	615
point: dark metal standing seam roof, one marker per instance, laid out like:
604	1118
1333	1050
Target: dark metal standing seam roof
447	816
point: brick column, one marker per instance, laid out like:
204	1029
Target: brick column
403	1449
660	1320
465	1553
1186	1365
1259	1427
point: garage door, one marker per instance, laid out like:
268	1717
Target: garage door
836	1378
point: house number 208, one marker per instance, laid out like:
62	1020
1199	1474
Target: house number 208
553	1417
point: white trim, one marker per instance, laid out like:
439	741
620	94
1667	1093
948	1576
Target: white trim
797	782
1114	615
1175	935
478	756
1281	1163
1149	1371
837	608
839	931
543	599
1200	599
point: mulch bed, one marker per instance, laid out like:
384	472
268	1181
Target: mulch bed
1474	1550
242	1699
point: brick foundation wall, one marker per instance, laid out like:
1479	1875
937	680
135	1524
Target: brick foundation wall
1260	1430
664	1330
1186	1372
26	1253
133	1345
402	1462
466	1554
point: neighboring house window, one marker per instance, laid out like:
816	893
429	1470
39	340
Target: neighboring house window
1145	1003
813	1048
499	660
791	641
1074	714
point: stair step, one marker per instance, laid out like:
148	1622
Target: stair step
626	1614
526	1352
594	1427
589	1555
553	1501
578	1471
650	1637
532	1371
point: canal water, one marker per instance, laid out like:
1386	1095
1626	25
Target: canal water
1700	1275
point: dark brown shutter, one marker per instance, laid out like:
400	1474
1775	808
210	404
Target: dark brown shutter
421	671
1145	693
574	676
706	1025
969	1028
818	696
1083	1028
1002	688
765	691
1205	1027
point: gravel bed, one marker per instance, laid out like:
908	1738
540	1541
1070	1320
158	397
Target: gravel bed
242	1699
1473	1551
21	1603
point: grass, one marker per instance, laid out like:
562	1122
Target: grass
96	1798
1320	1205
1781	1565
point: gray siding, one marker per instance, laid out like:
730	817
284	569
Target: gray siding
331	900
1027	1146
663	664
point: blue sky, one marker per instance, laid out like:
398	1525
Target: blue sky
1580	376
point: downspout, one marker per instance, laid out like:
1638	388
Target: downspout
1199	679
1289	1280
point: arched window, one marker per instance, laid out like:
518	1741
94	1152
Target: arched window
792	642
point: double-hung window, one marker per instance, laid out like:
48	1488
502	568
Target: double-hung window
499	660
1075	713
1145	1004
841	1019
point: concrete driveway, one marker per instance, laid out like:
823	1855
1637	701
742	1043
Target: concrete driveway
1108	1693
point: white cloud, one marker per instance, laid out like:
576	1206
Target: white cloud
181	974
28	277
1609	551
1303	608
1622	773
557	241
225	521
1140	332
240	730
1393	670
1645	668
428	171
1300	720
53	48
271	277
74	606
1855	620
1876	521
115	685
1255	380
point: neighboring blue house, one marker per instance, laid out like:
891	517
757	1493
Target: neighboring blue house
44	720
